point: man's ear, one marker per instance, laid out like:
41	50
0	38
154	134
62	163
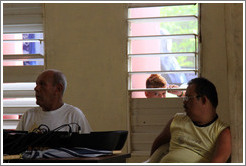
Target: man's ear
204	99
59	87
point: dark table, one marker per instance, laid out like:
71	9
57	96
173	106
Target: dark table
115	158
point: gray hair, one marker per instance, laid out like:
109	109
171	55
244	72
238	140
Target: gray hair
59	78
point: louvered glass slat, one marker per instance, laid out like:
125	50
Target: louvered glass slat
163	72
153	37
18	90
163	19
137	5
20	9
19	86
163	54
19	102
23	40
23	60
30	28
158	61
146	9
22	44
23	56
12	74
156	89
18	93
22	17
10	124
15	110
26	6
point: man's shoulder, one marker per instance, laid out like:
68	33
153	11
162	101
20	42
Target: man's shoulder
71	108
222	124
34	109
180	115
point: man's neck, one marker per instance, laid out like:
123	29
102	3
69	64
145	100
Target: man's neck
53	107
206	121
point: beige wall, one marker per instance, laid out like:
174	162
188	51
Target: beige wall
214	57
234	40
88	42
222	62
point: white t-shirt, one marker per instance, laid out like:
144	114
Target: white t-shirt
54	119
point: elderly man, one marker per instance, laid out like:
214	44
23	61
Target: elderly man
53	112
197	136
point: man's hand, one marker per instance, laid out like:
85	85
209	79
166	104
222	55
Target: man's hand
175	92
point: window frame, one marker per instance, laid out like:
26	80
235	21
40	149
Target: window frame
20	18
148	116
197	52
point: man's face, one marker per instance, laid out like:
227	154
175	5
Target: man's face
193	103
45	91
155	94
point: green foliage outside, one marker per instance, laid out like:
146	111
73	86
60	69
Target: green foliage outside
181	27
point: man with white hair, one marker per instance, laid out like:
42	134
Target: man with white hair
53	113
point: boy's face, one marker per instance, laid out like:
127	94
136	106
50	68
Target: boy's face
155	94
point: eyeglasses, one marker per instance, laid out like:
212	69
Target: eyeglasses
187	98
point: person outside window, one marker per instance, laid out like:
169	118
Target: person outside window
157	81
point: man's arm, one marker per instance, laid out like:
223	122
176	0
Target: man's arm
223	147
162	138
176	92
